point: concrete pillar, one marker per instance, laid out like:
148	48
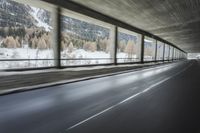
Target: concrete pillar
115	45
164	52
56	36
156	51
142	49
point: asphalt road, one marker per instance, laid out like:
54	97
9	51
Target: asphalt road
164	99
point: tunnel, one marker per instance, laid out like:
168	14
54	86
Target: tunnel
99	66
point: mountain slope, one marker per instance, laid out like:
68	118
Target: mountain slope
14	14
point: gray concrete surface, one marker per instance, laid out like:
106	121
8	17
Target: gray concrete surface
177	21
164	99
25	80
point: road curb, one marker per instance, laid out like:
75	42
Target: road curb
62	82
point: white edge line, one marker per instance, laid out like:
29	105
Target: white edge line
127	99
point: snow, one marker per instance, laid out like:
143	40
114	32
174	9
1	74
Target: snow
71	32
148	58
123	57
99	57
82	54
25	53
40	23
148	41
76	57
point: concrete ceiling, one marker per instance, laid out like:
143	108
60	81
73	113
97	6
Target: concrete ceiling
177	21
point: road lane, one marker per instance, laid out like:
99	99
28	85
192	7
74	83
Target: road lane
171	107
55	109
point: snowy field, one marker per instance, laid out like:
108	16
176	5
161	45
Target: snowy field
25	53
123	58
76	57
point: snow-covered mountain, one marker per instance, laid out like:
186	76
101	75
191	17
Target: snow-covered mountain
14	14
42	17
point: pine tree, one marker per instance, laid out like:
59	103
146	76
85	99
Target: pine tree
130	49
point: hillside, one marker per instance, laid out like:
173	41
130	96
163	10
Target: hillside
14	14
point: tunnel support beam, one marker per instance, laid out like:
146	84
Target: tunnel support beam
56	37
169	54
164	53
173	54
142	49
57	30
115	45
156	51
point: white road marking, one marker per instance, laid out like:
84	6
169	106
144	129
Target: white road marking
127	99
